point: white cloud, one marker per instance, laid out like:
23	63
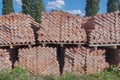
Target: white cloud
76	12
18	2
56	4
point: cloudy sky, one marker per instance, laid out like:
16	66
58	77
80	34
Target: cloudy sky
71	6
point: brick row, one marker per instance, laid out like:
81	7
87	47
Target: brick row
83	60
41	60
61	27
75	60
105	28
5	62
96	61
16	29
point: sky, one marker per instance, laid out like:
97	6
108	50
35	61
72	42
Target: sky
71	6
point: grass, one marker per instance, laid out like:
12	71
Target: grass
18	73
15	74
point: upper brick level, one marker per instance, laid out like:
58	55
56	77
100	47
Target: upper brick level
103	29
16	29
61	27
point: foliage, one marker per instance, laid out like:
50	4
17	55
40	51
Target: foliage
112	73
119	5
26	6
112	5
33	8
92	7
7	6
18	73
37	8
15	74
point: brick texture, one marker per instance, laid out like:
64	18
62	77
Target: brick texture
61	27
103	28
83	60
41	60
15	29
96	61
5	62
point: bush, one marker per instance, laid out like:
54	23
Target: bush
18	73
113	73
15	74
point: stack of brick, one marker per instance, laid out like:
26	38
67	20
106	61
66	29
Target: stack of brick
5	62
96	61
41	60
113	56
15	29
83	60
61	27
75	60
105	28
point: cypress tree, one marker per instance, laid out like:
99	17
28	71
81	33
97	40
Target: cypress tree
112	5
7	7
37	9
119	5
92	7
26	6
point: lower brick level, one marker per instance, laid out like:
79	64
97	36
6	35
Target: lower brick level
55	61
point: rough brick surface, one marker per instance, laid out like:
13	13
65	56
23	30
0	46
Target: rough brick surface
15	29
5	62
61	27
41	60
103	28
83	60
75	60
96	61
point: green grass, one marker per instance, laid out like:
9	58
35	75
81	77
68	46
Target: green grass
18	73
15	74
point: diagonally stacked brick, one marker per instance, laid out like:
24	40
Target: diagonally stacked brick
83	60
41	60
27	59
61	27
5	62
75	60
105	28
96	61
16	29
47	60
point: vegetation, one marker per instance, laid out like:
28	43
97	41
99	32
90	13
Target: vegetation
7	7
37	9
15	74
112	5
92	7
26	6
18	73
33	8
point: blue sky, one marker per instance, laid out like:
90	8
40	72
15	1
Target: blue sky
72	6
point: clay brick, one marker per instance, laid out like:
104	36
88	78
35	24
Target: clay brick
16	29
5	62
41	60
61	27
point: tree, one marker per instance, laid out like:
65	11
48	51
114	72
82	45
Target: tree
112	5
26	6
119	4
7	7
92	7
33	8
37	9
